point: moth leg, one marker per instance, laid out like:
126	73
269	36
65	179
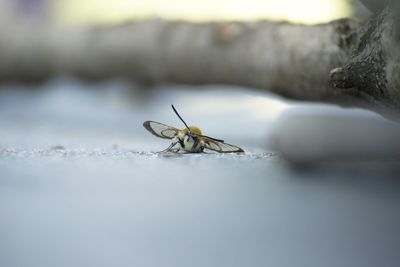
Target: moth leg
171	148
168	148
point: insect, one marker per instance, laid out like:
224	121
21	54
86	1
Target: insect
189	139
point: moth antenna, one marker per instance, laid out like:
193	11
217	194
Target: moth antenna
179	116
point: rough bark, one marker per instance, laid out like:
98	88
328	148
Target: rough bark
290	60
372	73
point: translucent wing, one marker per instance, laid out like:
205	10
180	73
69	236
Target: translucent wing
160	130
221	147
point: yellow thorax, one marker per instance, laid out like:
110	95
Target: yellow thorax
194	129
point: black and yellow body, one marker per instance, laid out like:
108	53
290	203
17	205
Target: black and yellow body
190	141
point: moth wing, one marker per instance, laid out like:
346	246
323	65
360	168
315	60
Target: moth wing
160	130
221	147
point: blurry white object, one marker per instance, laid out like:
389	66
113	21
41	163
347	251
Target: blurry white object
310	135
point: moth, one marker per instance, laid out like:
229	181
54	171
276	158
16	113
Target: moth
189	139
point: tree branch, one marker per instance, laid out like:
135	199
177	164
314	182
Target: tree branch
288	59
292	60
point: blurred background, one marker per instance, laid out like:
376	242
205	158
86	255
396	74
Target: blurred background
74	12
81	183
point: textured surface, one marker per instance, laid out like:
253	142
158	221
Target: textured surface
80	185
